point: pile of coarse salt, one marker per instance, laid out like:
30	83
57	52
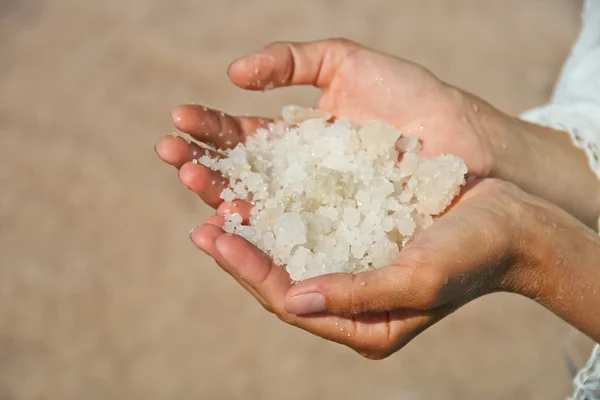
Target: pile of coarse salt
330	196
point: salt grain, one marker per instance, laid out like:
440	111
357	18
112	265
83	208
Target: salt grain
331	196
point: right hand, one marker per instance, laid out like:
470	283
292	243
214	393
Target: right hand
494	238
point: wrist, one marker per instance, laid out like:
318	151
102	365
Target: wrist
540	160
558	265
533	250
501	136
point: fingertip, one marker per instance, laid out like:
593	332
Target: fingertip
173	150
195	176
204	182
252	72
176	114
204	237
188	118
161	147
250	263
181	116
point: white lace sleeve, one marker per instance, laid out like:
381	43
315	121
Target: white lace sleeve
575	104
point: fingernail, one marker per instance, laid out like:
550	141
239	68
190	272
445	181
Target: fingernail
175	115
309	303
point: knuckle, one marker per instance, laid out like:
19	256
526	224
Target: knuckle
426	276
285	317
355	304
429	283
266	306
434	282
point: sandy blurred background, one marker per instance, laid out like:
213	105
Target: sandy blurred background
102	296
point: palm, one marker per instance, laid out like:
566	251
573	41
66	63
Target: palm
369	85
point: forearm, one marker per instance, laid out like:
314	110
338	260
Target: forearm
543	162
562	268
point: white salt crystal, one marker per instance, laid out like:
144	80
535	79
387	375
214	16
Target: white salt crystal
227	195
249	233
351	216
409	144
294	114
235	218
228	227
331	196
207	161
378	138
290	229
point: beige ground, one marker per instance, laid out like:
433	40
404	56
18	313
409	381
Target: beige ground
101	294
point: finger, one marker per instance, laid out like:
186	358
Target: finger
204	182
205	236
236	207
384	289
215	127
286	63
176	151
269	280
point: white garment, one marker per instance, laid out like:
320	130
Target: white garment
575	107
575	104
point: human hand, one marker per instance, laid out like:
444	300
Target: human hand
358	83
379	311
369	332
363	85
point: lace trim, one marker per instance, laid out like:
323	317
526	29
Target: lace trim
587	381
581	121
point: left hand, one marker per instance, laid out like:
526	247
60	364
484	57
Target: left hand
356	82
367	85
470	251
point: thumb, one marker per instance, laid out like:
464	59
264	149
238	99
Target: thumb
458	258
411	282
288	64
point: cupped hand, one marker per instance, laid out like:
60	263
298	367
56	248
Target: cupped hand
357	83
470	251
476	248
